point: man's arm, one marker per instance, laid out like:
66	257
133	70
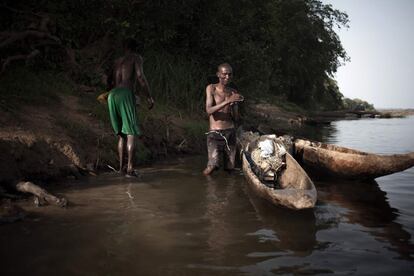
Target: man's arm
143	80
109	83
235	107
235	112
210	108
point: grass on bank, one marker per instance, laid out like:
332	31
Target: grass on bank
176	81
177	86
21	85
284	104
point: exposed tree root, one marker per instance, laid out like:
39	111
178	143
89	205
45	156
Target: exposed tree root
42	197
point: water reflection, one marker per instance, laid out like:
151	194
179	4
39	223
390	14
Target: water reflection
225	205
367	205
293	230
218	198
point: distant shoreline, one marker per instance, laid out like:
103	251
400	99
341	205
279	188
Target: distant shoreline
397	112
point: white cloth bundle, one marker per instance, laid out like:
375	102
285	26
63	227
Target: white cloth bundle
266	148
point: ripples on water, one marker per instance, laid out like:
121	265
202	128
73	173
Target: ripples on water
174	221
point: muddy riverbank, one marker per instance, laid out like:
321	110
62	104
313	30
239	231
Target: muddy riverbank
72	138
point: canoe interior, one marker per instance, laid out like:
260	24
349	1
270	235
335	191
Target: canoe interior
297	190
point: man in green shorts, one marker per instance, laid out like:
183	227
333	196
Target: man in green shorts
122	103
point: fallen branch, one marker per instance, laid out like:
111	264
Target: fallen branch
41	195
16	36
28	57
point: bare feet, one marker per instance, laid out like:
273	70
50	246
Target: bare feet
208	170
132	174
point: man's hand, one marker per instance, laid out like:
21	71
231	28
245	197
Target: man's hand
103	97
235	97
150	103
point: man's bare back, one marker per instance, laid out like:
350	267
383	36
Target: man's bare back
126	68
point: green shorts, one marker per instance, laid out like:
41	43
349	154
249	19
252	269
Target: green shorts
122	111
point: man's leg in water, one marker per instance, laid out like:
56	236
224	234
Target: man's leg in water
131	155
121	145
213	154
230	151
130	150
230	157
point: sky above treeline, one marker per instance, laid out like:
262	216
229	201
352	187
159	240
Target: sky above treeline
380	43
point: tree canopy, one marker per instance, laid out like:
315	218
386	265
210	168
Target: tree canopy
281	47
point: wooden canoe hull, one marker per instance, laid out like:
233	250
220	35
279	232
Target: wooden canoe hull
298	191
334	161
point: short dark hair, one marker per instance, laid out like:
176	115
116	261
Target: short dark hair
224	65
130	44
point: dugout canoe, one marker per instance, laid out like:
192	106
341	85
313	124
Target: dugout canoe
296	191
327	160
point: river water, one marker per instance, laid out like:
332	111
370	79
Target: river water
174	221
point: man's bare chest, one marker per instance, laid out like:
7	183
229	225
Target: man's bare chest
221	96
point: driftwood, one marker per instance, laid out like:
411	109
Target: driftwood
335	161
42	197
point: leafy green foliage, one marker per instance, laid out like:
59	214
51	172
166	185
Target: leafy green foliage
306	48
176	81
357	104
276	47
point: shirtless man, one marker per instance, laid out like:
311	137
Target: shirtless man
222	110
122	103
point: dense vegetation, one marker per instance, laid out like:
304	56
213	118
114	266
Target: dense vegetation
283	48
